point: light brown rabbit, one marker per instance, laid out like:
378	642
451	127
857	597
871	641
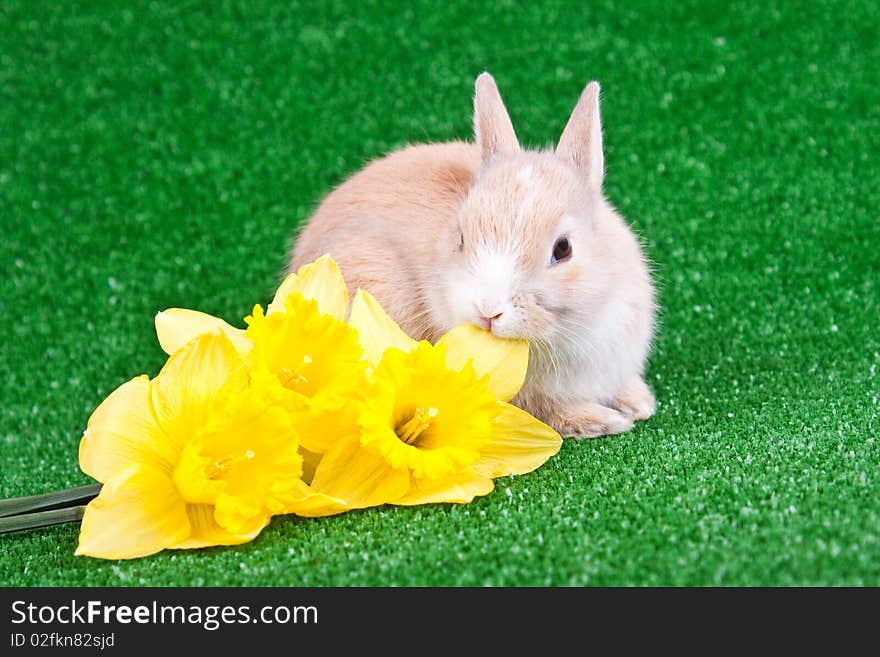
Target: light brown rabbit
520	242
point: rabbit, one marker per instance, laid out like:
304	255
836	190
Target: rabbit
520	242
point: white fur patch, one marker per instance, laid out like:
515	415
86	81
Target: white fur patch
599	358
484	289
615	314
526	174
493	273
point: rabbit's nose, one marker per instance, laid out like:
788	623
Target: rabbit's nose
491	319
486	317
486	322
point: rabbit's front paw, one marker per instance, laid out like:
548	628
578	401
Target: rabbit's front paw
589	420
635	400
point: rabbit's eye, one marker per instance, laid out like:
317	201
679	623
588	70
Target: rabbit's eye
561	250
460	241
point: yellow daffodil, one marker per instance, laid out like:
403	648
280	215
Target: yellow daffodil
302	340
320	280
201	455
315	360
434	424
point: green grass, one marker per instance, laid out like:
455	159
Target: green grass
161	154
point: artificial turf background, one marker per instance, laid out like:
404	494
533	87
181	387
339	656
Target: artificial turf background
160	154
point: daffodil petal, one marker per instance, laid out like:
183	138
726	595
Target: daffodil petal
359	475
519	444
195	377
240	516
314	430
319	429
306	502
460	488
320	280
123	431
504	361
137	513
376	330
177	326
206	532
287	287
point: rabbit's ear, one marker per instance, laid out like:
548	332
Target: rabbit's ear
581	141
492	127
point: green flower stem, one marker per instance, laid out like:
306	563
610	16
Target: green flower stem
41	519
55	500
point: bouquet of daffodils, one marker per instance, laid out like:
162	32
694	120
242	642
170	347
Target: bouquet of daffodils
312	409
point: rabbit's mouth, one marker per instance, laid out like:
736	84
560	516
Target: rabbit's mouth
525	319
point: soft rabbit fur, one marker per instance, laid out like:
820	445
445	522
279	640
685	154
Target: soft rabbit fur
453	233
